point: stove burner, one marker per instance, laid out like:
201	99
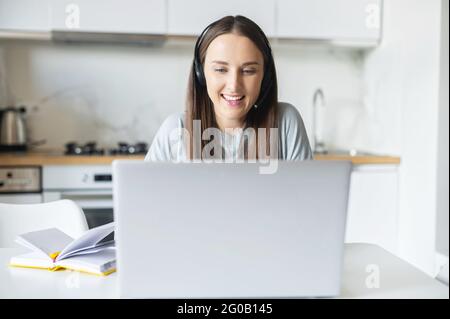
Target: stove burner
129	149
90	148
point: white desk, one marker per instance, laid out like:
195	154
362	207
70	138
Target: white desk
397	279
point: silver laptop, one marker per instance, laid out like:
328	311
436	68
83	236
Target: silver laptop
192	230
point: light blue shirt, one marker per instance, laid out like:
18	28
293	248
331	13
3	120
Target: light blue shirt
293	143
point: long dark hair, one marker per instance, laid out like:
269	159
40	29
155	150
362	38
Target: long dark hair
198	104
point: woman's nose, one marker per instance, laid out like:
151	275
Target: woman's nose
234	80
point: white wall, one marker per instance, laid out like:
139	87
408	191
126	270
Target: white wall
113	93
442	221
402	83
102	93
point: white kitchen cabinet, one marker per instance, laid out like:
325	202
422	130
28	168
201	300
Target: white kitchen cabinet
191	17
25	198
334	20
373	206
24	15
106	16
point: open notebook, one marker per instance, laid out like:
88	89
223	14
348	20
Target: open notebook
93	252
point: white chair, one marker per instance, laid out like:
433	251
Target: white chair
17	219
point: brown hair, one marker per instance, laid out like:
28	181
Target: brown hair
200	107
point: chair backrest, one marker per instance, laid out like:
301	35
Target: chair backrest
16	219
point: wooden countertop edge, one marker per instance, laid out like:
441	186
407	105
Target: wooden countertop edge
62	160
38	160
361	159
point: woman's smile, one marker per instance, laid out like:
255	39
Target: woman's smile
233	100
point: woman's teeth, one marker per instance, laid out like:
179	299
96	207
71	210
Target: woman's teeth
232	98
234	101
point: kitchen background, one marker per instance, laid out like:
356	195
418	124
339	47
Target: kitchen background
88	88
385	98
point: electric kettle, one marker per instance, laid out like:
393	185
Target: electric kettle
12	129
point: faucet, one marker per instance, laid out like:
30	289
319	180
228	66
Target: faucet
319	144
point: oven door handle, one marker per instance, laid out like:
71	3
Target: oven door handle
95	193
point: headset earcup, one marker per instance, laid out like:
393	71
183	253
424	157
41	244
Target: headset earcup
199	73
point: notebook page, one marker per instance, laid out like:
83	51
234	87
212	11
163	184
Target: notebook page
91	250
89	239
47	241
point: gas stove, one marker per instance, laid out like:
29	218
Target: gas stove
91	148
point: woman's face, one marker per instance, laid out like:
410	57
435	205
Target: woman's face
234	69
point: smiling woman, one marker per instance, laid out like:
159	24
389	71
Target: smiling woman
233	97
233	86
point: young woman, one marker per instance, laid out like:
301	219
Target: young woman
232	108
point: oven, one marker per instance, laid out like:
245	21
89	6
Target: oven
21	184
90	186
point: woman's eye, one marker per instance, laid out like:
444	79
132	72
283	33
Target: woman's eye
245	71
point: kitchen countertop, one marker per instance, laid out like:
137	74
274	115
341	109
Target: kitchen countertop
358	159
55	157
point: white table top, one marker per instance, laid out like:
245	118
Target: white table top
362	264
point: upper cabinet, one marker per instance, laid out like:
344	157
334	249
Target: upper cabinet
191	17
106	16
24	15
338	20
345	21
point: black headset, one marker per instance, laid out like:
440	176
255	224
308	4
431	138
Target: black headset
265	85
